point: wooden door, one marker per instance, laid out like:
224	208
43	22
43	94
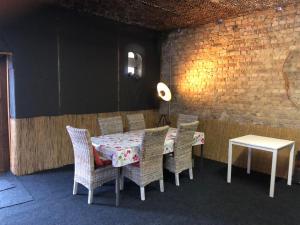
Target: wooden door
4	138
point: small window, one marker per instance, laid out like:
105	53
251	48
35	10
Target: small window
131	70
131	55
134	68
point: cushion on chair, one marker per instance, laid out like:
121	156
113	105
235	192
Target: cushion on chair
136	164
98	161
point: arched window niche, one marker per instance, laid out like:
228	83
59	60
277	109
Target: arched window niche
135	65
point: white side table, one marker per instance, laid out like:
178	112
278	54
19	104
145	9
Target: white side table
264	144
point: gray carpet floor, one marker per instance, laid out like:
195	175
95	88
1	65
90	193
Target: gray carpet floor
207	200
5	184
12	192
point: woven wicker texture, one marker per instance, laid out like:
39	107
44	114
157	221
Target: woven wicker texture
151	158
111	125
31	136
182	157
184	118
85	172
136	121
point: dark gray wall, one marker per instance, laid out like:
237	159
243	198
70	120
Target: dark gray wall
67	63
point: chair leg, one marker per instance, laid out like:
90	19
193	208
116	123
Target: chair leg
161	185
90	198
191	173
177	179
142	189
75	187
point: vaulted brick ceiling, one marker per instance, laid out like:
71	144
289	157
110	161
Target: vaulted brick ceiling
157	14
170	14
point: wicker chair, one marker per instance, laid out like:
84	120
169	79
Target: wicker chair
184	118
150	166
111	125
182	156
136	121
85	172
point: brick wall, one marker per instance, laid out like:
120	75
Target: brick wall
246	70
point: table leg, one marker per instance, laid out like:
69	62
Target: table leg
193	157
291	162
249	161
273	173
229	162
118	187
201	154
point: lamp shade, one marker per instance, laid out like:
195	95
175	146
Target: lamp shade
164	92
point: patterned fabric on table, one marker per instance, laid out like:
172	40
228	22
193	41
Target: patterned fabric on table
198	138
123	148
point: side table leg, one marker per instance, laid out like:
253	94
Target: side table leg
229	162
291	162
249	161
273	173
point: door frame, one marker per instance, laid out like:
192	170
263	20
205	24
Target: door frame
8	60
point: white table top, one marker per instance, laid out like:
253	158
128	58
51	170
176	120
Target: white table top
262	142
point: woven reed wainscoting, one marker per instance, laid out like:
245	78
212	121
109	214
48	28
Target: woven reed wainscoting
217	134
42	143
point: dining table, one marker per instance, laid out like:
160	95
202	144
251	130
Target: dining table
123	148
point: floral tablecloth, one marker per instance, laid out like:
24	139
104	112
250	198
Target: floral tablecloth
123	148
